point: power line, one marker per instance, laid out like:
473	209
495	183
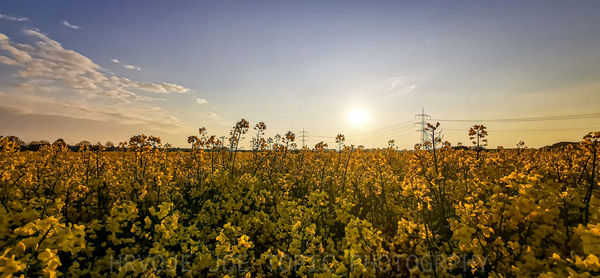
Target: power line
528	119
323	136
532	129
394	126
402	126
392	129
389	133
386	133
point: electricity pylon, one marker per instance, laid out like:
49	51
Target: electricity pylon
423	118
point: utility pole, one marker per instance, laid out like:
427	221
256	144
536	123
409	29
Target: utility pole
222	141
303	139
423	117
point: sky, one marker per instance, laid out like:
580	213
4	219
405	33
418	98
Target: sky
107	70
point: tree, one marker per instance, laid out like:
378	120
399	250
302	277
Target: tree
478	133
98	147
37	144
59	143
83	143
109	144
520	146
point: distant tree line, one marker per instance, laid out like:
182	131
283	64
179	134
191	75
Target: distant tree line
37	144
257	143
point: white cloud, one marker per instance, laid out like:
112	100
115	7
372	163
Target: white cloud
72	26
49	60
13	18
132	67
159	88
48	73
8	61
17	54
201	100
398	86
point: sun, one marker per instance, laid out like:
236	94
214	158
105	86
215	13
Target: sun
358	117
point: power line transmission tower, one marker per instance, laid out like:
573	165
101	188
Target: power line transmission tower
422	122
303	139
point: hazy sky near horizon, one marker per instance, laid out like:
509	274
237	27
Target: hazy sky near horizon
104	70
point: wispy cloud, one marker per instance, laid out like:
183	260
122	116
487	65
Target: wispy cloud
132	67
13	18
31	104
398	86
72	26
201	100
48	73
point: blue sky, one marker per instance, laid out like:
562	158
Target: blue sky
301	64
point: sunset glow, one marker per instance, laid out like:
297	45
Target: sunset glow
358	117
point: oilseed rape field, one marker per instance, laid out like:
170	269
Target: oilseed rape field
405	139
144	210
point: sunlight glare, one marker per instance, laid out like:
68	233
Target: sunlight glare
358	117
